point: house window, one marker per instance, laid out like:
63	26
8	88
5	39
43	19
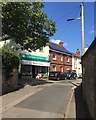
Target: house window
67	59
41	49
61	58
68	68
54	68
61	69
54	56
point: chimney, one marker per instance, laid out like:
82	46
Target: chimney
61	44
78	52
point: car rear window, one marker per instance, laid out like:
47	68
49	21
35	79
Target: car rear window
53	72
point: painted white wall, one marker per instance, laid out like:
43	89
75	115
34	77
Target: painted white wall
44	53
2	43
73	64
76	65
9	44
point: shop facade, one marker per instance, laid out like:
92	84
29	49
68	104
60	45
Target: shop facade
32	64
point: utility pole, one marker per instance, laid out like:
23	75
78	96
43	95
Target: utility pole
82	24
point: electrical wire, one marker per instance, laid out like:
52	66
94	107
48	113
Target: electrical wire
66	27
66	14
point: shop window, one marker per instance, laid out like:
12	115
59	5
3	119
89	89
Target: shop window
54	68
67	59
54	56
67	68
26	70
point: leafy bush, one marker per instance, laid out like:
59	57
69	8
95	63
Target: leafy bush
9	60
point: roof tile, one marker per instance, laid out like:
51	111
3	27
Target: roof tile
58	48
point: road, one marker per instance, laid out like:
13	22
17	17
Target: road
51	102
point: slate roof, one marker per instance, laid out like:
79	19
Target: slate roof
58	48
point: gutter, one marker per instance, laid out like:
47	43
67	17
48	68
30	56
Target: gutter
61	52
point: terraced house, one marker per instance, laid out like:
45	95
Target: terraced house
52	57
60	58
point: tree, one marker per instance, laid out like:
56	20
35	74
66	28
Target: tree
27	24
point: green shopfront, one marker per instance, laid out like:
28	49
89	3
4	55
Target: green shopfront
33	65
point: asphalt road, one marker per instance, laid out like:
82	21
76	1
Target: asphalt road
51	102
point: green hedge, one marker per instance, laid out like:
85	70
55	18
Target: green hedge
9	60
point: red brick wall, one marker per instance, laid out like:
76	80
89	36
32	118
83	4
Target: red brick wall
58	63
67	64
58	58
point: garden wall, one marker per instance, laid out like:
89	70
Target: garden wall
89	78
11	83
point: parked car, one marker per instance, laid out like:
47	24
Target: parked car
80	75
71	74
57	75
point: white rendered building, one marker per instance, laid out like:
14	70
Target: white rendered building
76	63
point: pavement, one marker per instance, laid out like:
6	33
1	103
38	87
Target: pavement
25	90
75	107
13	98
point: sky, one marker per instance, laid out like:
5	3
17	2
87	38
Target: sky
70	32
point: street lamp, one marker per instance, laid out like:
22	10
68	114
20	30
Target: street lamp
69	19
82	24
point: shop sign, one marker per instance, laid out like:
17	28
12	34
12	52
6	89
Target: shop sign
33	57
36	63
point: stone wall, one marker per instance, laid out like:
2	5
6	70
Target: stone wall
11	83
89	77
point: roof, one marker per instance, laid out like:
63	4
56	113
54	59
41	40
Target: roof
58	48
